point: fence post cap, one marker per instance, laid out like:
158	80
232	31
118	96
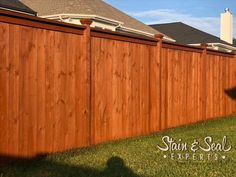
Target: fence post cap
159	36
86	21
204	45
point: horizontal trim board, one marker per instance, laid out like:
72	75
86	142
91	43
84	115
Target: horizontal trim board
177	46
18	11
36	22
181	47
219	53
122	37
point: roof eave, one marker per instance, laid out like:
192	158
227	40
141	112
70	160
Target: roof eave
119	24
168	39
33	13
223	45
217	44
83	16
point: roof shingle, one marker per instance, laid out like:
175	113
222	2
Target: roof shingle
17	6
185	34
86	7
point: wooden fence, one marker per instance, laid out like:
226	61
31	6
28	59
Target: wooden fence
65	86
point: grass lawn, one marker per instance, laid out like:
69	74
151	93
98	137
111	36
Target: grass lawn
140	157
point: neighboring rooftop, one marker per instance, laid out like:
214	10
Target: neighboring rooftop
16	5
87	7
185	34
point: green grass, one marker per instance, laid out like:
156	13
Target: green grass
137	157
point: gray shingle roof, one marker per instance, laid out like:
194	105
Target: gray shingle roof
87	7
185	34
16	5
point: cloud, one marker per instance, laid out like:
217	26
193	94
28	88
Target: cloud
207	24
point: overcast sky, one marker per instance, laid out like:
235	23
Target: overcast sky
201	14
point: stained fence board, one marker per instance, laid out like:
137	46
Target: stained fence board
41	91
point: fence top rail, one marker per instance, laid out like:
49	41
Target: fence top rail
172	45
12	17
95	32
220	53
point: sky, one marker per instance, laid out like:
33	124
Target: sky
201	14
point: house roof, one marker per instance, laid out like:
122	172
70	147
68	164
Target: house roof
16	5
87	7
185	34
234	42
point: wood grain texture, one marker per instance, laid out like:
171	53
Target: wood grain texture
121	91
43	91
195	86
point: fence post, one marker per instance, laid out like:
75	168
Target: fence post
204	47
203	81
154	86
87	43
162	76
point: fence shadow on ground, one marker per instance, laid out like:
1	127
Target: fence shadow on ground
231	92
42	167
